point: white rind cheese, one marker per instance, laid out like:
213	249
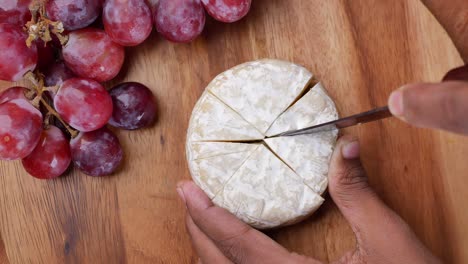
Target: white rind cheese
214	121
203	150
261	90
268	191
212	173
314	108
307	155
266	182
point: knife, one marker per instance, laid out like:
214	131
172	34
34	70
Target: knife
366	117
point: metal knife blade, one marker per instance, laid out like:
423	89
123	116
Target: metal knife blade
366	117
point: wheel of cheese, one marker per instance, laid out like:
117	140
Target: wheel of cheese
265	181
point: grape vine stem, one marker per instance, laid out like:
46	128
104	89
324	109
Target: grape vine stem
52	111
40	27
39	90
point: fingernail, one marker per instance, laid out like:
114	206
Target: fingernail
351	150
395	103
180	192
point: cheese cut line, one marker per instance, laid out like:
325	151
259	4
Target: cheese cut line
312	83
263	199
208	91
316	180
214	121
317	183
304	160
212	183
247	158
277	85
265	144
203	150
314	108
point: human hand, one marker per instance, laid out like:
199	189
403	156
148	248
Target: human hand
381	235
442	105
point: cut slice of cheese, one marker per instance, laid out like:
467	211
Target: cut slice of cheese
214	121
203	150
261	90
212	171
266	193
314	108
308	155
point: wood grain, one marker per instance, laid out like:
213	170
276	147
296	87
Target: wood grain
360	49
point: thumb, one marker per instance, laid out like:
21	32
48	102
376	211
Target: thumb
380	233
350	190
442	106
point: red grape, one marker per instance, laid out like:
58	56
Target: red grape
90	53
128	23
227	10
12	94
15	12
20	129
180	20
57	74
84	104
51	157
96	153
15	57
134	106
74	14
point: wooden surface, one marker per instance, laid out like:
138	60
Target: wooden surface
360	49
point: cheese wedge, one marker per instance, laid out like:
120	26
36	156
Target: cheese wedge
266	193
213	172
314	108
307	155
214	121
261	90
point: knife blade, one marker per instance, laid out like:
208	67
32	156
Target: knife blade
366	117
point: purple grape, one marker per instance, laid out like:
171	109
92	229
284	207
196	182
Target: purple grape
96	153
57	74
134	106
74	14
51	157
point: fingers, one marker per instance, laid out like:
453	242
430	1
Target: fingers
452	15
236	240
380	233
349	187
206	249
442	106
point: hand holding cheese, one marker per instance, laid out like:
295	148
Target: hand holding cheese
219	237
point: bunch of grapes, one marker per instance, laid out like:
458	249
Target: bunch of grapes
59	46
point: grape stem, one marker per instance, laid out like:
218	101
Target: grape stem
38	99
40	27
52	111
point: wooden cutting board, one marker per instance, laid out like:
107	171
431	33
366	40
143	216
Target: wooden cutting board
360	49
